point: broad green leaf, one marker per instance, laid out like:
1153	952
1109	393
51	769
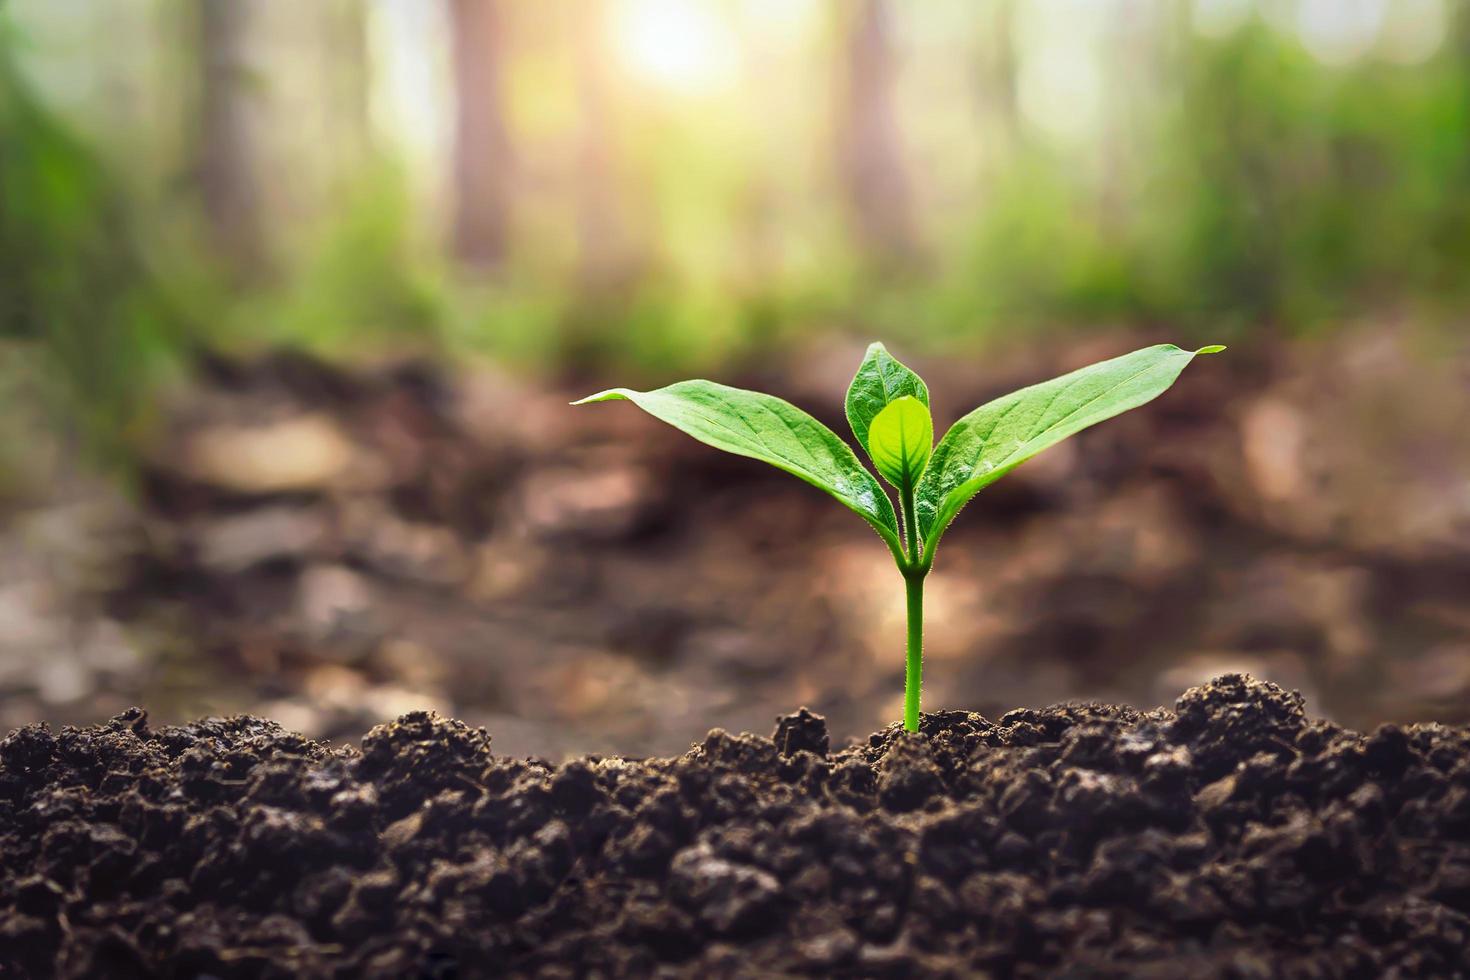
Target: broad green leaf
764	427
900	439
880	380
997	437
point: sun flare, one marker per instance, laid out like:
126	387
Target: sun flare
684	47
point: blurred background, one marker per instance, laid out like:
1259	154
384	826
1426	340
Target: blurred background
293	297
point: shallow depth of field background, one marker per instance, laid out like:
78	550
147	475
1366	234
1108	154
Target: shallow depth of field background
293	296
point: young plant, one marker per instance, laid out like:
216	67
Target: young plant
888	409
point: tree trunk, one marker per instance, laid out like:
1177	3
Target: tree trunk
351	78
603	254
227	151
871	157
999	98
482	160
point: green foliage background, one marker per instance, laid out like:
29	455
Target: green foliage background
1263	193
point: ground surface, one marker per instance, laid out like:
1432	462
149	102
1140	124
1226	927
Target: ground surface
1231	836
334	547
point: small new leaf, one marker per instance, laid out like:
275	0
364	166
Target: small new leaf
900	440
997	437
880	381
764	427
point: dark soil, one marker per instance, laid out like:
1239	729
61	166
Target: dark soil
1231	836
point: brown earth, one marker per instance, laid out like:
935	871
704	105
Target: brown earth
333	547
1230	836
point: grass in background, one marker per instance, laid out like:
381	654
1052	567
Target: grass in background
86	323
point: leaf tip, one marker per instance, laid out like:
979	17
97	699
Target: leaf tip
611	394
1211	349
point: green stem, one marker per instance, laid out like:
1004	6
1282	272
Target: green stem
910	525
914	670
913	578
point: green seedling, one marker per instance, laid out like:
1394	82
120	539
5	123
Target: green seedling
888	408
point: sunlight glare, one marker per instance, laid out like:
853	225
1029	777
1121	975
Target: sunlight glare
1060	79
412	88
1339	32
1221	18
679	45
1415	31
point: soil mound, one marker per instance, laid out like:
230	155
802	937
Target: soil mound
1230	836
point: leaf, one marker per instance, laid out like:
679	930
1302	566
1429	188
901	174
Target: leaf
900	439
764	427
880	380
997	437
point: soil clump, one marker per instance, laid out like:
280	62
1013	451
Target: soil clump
1230	836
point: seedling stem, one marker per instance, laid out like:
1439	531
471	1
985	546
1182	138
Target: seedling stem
914	572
